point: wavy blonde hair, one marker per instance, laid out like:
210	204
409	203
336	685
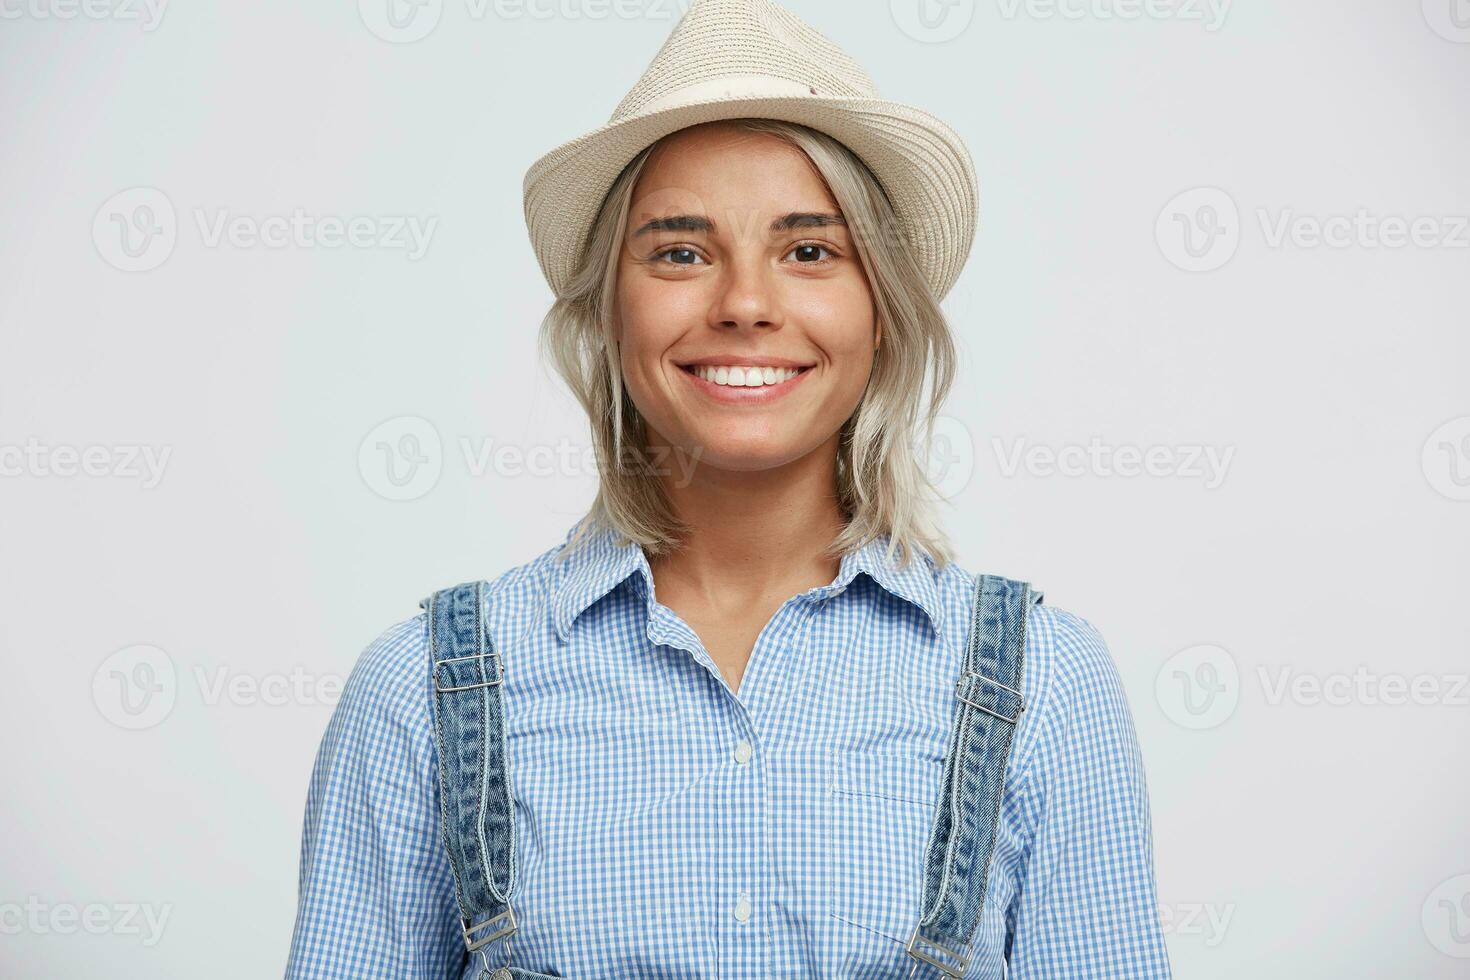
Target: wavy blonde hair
882	485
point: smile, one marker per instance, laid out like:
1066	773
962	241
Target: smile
743	384
736	376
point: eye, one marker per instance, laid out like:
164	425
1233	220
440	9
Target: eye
679	251
807	249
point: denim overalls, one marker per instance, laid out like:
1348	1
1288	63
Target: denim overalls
477	819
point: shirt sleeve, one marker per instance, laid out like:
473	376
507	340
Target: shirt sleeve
376	892
1087	905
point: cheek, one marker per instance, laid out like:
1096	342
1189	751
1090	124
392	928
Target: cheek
650	313
842	324
637	321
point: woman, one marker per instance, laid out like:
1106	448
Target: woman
739	723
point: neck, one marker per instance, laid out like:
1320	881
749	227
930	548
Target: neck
755	533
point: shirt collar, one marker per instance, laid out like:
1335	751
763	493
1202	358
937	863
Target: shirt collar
601	563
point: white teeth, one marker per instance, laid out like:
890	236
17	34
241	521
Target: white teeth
745	377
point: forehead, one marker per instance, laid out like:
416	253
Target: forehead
716	169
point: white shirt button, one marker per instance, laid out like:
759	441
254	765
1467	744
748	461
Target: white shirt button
742	751
742	908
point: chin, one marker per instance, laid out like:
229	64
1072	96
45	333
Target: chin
747	457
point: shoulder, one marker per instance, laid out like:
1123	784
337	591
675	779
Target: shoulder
387	681
1070	679
1064	652
391	673
1077	714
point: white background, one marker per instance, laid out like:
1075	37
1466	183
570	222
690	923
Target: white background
1315	830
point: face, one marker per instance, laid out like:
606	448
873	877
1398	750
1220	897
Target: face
737	271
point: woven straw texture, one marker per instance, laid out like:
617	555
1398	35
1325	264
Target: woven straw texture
922	163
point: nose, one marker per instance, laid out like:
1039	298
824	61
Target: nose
745	297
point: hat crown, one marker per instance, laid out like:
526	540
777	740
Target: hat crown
728	59
739	39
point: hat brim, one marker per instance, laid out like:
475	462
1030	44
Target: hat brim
921	162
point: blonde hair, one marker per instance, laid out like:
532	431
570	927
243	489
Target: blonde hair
882	485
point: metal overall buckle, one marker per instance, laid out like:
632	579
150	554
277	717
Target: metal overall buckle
474	943
959	687
954	970
496	678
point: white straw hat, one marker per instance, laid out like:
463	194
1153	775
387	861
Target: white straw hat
730	58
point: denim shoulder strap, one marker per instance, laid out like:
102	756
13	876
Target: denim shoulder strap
988	706
475	812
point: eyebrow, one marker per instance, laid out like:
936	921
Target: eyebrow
699	223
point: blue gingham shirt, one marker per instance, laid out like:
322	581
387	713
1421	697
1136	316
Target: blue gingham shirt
671	828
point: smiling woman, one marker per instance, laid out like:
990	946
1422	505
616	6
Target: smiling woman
748	718
746	242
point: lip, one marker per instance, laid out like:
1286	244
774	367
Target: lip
736	360
761	395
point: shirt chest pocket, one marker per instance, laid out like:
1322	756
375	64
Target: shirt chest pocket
880	812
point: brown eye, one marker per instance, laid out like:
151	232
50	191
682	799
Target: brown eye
807	253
